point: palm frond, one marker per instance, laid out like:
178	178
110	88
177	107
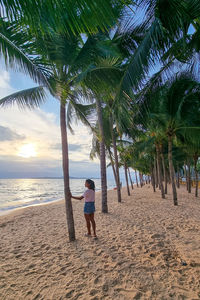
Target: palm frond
14	57
142	59
83	113
29	98
73	17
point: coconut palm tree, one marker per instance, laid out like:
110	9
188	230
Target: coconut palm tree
66	58
178	98
95	150
192	153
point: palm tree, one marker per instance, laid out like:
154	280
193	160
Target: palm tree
191	149
103	73
159	170
65	57
102	156
173	116
129	173
95	151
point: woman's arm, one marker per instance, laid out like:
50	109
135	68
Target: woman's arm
77	198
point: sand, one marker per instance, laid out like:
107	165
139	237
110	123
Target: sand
147	249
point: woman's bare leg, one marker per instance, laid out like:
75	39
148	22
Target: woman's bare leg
93	223
87	218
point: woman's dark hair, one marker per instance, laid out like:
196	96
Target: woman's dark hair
91	183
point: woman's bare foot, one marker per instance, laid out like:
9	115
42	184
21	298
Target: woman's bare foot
88	234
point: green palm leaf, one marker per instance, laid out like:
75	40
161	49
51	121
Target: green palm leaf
16	58
142	59
69	16
30	98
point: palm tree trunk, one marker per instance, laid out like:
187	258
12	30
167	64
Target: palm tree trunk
196	175
189	177
186	176
140	177
164	172
159	171
130	178
136	178
104	204
65	161
116	161
126	176
155	172
153	179
171	170
166	175
178	177
112	164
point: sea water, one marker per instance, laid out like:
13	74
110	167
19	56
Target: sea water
20	193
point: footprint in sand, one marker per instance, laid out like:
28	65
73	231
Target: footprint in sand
93	292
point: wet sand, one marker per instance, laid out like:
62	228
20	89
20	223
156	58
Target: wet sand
147	249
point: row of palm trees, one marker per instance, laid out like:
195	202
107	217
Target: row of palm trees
95	59
168	133
166	119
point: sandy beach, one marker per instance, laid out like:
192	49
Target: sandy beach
147	249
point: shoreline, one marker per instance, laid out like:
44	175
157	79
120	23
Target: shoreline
15	210
146	249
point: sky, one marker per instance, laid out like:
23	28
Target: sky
30	143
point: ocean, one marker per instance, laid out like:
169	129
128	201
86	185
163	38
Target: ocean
20	193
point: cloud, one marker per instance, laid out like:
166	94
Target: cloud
6	134
71	147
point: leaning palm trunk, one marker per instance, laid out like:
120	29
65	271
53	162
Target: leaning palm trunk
102	158
65	160
112	164
126	176
136	178
130	178
159	172
196	175
171	170
164	172
104	207
116	161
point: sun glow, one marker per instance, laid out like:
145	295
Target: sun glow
27	150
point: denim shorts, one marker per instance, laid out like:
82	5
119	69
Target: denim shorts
89	208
